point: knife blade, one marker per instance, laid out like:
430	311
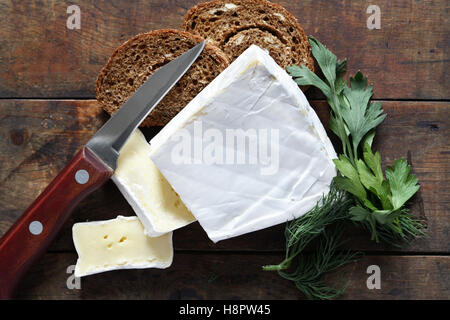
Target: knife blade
110	138
93	165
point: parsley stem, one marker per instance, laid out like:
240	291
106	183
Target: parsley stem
333	101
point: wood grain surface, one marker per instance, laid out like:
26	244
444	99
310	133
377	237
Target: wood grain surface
407	58
239	276
43	136
47	75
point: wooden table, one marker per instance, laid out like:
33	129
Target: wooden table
48	110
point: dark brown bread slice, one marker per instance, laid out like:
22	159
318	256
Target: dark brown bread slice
233	25
132	63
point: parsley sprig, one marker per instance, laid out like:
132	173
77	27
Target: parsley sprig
361	192
379	198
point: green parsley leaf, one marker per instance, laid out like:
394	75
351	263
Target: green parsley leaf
403	185
373	161
305	77
326	60
360	116
350	181
371	176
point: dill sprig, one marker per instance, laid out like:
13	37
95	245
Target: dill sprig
301	231
309	267
307	276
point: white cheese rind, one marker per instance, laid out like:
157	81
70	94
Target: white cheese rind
253	93
116	244
147	191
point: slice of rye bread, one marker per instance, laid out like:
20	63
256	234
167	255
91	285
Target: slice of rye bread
132	63
233	25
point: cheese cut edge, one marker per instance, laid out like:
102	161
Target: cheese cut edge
152	228
144	265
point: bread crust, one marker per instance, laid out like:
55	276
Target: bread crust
290	19
160	116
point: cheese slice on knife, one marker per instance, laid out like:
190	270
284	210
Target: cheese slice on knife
118	244
152	198
248	152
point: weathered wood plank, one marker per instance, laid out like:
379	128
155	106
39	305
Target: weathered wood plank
39	57
236	276
37	138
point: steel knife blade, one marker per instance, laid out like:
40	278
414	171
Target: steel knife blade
110	138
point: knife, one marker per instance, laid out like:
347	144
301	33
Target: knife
29	237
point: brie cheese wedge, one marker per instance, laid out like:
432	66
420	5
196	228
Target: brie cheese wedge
248	152
118	244
152	198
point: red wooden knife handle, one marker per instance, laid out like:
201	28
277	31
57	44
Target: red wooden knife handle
32	233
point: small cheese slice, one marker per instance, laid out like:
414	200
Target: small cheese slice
119	243
284	168
156	204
